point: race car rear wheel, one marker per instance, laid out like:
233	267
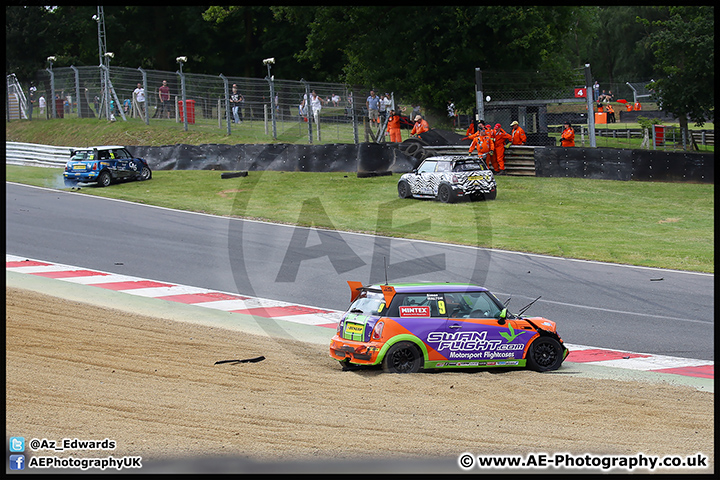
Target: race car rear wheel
404	189
491	195
446	194
104	179
545	354
403	357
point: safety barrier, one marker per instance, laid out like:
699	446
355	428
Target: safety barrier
36	155
597	163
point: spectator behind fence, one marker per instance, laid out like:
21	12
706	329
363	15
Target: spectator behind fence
236	100
302	110
452	113
373	105
31	99
139	96
385	104
164	95
315	105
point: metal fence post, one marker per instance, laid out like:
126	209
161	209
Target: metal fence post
52	91
271	82
591	114
147	96
479	101
184	101
356	133
77	90
227	101
309	109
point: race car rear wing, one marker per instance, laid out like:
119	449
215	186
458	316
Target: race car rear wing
356	287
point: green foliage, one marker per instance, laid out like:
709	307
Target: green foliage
426	54
683	43
647	123
430	54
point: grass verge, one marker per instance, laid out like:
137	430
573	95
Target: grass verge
665	225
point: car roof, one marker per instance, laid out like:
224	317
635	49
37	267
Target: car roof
426	287
450	158
100	147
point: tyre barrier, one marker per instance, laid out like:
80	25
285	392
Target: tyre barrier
624	164
233	174
364	157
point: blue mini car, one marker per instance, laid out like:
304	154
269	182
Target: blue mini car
104	165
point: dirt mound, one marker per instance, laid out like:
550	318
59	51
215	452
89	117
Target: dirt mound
151	385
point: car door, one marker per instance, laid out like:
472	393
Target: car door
475	331
107	162
419	315
423	179
122	161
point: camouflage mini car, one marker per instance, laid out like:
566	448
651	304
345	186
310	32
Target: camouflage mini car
413	326
448	179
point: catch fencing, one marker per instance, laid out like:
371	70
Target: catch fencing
339	116
540	103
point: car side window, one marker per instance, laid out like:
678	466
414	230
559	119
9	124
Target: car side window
121	153
469	166
427	167
471	305
443	167
483	303
417	305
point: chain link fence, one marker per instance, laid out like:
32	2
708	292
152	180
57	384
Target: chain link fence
338	116
541	104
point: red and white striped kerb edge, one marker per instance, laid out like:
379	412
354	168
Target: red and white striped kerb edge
233	302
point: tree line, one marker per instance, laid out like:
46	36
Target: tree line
428	53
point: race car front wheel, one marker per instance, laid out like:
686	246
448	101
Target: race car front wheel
403	357
145	174
404	189
545	354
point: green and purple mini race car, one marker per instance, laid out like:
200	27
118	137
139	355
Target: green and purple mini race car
413	326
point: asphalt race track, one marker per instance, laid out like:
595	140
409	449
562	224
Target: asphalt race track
662	312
